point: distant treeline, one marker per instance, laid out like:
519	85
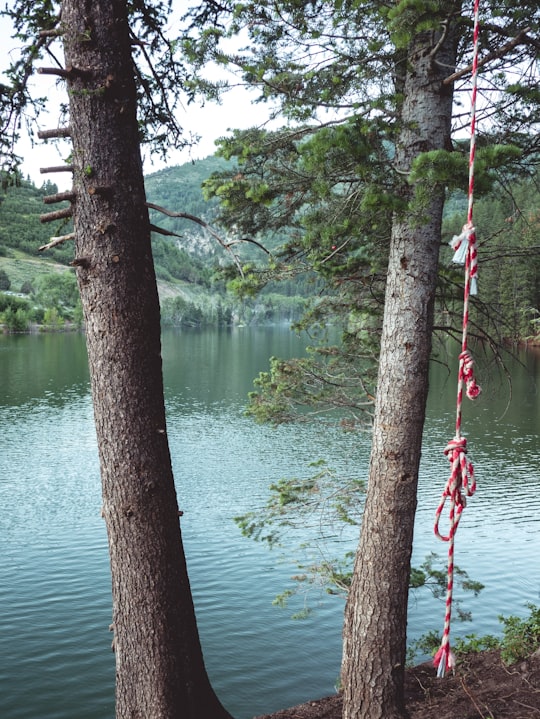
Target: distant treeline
191	265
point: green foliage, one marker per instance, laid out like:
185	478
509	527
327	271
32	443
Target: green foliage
14	320
20	227
432	574
324	499
173	262
293	500
473	644
248	285
12	302
58	291
52	320
325	193
521	637
336	381
179	312
15	313
409	17
429	643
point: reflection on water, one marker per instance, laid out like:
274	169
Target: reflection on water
55	658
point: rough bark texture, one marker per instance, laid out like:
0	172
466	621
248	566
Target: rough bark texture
376	615
159	665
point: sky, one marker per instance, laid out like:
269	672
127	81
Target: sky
210	122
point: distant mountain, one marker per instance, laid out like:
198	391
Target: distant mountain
178	189
185	265
181	263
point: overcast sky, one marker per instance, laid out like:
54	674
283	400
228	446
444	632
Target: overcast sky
210	122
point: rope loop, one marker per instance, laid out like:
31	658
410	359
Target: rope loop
460	485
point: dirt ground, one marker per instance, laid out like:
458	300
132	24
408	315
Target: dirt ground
481	688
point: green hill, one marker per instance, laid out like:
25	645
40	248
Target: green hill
191	289
178	189
179	265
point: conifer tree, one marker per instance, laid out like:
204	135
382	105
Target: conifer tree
160	670
383	83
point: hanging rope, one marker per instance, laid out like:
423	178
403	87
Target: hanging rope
461	484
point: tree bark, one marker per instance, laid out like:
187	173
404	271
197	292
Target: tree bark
376	614
159	665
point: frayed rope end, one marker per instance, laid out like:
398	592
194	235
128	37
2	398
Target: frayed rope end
444	660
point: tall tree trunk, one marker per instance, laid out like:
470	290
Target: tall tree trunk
376	614
159	664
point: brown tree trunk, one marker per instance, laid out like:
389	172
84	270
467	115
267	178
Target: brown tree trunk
159	664
376	614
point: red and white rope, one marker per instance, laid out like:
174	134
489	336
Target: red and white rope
461	483
474	93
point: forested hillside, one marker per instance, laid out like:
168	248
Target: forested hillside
189	261
179	190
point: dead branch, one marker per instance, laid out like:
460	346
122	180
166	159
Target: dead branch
54	241
446	28
163	231
59	197
251	241
66	73
473	700
186	216
57	168
58	215
55	32
59	71
517	40
55	132
202	223
100	190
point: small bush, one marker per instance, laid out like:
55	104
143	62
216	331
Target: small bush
15	320
521	637
5	282
52	319
12	302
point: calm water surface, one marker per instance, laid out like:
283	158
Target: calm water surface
55	658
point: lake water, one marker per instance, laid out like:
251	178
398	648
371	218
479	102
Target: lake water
55	657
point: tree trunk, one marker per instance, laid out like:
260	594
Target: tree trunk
159	664
376	614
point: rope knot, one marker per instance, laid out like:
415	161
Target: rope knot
458	444
459	486
466	373
464	246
